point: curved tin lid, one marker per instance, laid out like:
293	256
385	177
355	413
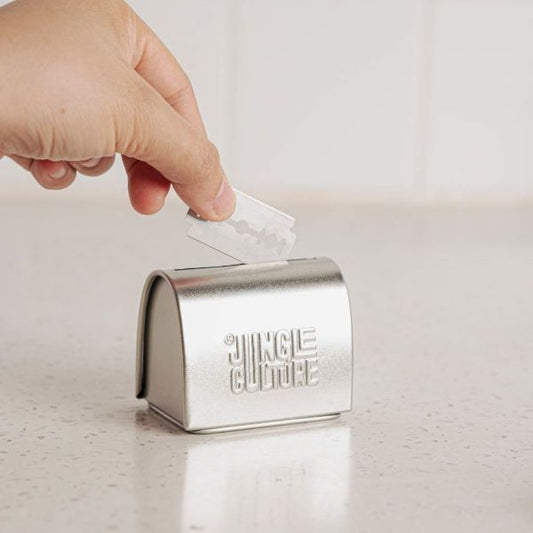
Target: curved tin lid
219	279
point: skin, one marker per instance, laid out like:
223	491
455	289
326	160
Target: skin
84	80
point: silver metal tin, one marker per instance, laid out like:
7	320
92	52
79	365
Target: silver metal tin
251	345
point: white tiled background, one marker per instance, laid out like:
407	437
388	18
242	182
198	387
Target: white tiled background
387	100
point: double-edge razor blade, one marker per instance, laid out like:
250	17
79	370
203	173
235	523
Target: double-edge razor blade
255	232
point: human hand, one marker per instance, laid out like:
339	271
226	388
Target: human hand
81	81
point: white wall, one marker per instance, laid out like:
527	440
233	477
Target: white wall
355	99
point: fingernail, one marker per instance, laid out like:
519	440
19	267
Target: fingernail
90	163
224	203
59	173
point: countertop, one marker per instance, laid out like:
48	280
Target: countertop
441	437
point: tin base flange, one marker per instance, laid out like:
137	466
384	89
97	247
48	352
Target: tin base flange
239	427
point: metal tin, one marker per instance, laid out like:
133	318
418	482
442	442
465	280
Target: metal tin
251	345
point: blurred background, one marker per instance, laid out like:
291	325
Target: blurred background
352	100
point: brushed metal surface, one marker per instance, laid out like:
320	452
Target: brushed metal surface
261	343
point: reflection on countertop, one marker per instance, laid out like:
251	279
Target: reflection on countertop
289	478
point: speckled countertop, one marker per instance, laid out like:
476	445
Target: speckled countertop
441	438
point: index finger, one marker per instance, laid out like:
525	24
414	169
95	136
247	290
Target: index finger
154	62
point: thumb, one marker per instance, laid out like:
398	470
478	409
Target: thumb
154	133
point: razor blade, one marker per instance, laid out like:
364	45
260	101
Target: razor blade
256	232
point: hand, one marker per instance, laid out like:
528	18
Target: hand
81	81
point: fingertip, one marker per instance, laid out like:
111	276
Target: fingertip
95	166
52	174
147	205
147	189
92	162
223	206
